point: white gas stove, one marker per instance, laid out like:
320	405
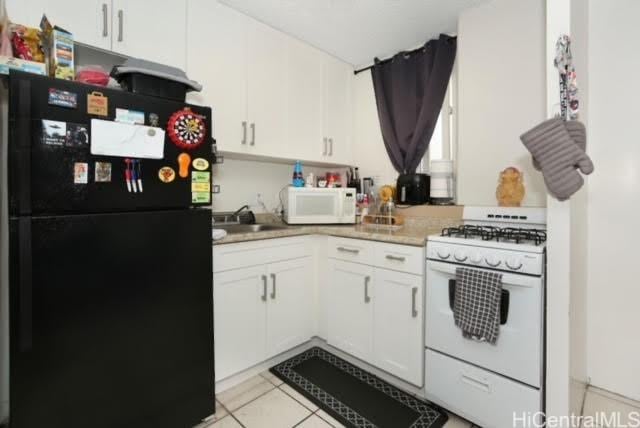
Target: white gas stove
508	239
487	383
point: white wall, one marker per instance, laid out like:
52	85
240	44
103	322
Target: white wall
370	154
241	180
614	198
501	94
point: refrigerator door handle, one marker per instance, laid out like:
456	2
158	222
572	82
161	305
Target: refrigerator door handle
22	178
25	282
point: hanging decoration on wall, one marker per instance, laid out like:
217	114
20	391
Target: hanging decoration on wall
186	129
563	61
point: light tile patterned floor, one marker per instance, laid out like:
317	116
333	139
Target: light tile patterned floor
266	402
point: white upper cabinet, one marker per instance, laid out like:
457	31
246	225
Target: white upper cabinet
271	94
88	20
154	31
305	100
217	58
338	110
267	89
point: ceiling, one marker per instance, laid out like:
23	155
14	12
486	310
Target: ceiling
356	31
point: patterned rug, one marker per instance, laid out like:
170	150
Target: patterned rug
353	396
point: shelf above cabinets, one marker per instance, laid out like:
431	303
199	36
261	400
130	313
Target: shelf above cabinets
273	96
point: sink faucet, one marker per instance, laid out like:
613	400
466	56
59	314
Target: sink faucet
237	212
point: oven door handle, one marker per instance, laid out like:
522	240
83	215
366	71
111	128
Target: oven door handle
505	299
511	279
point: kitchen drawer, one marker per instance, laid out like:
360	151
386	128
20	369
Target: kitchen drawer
403	258
352	250
485	398
253	253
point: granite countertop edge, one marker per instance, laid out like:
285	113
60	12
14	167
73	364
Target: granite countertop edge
408	235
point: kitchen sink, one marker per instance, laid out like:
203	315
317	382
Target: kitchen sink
248	228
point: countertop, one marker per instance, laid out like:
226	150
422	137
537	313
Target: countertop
408	235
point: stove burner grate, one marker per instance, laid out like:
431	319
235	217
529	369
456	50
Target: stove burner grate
491	233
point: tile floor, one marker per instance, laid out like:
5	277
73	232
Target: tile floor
266	402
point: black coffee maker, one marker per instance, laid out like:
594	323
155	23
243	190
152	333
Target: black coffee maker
412	189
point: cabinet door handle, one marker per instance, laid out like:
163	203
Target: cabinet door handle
244	133
120	25
396	258
264	288
348	250
330	146
324	151
414	293
253	134
367	299
273	290
105	20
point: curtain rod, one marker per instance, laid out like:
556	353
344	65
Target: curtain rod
411	52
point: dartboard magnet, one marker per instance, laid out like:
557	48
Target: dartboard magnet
186	129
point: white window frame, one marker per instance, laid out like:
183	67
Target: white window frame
449	123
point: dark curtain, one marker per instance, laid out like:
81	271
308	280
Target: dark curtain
410	89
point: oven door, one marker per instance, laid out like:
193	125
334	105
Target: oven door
312	207
517	352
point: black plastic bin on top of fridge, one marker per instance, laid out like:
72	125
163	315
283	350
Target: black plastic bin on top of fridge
110	291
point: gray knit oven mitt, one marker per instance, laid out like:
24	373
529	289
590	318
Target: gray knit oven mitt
558	156
578	134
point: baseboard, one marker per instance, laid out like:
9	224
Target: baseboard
577	396
238	378
599	401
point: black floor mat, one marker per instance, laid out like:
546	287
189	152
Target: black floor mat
353	396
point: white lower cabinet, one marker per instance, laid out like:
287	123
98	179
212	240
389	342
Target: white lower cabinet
377	314
240	312
398	319
350	311
289	311
259	312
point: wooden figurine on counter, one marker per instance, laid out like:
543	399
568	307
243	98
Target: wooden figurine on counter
510	191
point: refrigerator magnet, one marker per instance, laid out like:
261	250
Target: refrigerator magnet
200	187
166	174
60	98
184	160
201	197
132	117
54	133
97	104
154	120
77	135
200	177
200	164
186	129
103	172
80	173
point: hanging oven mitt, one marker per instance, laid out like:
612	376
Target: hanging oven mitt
578	134
558	156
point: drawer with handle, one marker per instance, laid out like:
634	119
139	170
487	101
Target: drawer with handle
481	396
402	258
352	250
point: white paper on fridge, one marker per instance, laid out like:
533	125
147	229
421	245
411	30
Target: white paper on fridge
126	140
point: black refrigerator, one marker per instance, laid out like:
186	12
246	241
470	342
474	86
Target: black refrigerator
110	284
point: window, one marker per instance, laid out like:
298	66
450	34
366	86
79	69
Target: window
442	145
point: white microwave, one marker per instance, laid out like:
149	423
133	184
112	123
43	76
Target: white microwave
315	205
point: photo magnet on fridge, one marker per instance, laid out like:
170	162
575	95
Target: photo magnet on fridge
132	117
80	173
60	98
77	135
103	172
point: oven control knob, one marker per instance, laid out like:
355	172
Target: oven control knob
443	253
514	263
492	261
476	258
460	256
